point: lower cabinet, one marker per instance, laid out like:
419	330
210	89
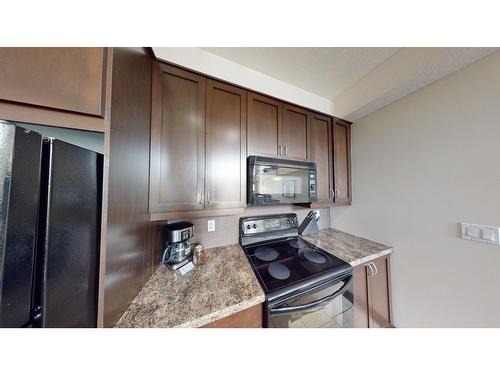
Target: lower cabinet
372	298
248	318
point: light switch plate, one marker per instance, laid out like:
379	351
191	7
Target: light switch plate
211	225
481	233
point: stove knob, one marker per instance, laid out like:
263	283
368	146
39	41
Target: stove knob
248	226
254	226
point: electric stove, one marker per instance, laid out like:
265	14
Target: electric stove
291	270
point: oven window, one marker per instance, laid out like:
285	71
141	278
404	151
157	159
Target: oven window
337	313
281	184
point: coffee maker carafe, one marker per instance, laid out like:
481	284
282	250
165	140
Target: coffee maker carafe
177	251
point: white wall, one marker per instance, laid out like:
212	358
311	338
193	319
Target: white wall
219	67
420	166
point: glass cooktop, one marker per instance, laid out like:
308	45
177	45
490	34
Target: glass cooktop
283	263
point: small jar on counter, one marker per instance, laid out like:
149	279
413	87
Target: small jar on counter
198	255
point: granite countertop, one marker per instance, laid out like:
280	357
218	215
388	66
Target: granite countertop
352	249
222	285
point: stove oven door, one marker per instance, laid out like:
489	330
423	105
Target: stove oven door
328	307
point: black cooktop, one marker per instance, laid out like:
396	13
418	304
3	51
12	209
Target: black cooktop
286	262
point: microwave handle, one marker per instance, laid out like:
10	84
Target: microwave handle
292	309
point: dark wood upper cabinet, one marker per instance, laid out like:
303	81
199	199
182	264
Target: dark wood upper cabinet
177	167
321	134
342	161
276	129
225	146
296	133
265	119
69	79
372	294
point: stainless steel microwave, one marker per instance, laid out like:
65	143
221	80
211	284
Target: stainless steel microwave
278	181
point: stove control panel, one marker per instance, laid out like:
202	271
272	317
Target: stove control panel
267	224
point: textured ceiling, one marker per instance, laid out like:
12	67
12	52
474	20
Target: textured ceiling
323	71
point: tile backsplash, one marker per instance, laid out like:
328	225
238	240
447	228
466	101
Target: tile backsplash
226	227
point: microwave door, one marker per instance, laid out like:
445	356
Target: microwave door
276	181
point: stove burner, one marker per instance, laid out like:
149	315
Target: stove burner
314	256
266	253
279	271
295	243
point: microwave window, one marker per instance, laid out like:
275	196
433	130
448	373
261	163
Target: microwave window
281	183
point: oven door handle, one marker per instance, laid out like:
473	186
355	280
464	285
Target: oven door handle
291	309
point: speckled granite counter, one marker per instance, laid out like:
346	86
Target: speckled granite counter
354	250
222	285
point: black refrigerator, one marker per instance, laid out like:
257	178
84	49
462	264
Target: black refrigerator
50	219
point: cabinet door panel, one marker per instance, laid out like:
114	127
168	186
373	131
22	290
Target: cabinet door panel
226	146
378	291
177	140
321	127
264	125
360	290
248	318
70	79
296	133
342	161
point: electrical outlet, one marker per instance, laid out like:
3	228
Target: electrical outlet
211	225
481	233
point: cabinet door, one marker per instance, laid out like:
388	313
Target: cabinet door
379	294
177	166
321	128
264	125
225	146
296	133
342	161
248	318
69	79
360	290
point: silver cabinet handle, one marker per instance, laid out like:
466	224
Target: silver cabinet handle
372	272
337	193
279	150
331	194
376	269
284	148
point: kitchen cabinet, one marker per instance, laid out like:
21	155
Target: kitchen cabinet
265	120
248	318
295	137
342	185
322	146
276	129
372	297
225	146
198	145
54	86
177	166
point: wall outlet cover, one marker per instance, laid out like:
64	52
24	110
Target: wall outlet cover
211	225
